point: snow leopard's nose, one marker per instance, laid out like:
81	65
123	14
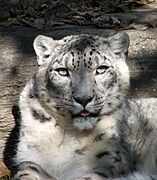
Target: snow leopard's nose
83	100
82	91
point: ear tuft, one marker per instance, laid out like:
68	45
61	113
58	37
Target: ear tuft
119	42
43	46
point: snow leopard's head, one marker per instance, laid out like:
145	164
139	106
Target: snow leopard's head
83	77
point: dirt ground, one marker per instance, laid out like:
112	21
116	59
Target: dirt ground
18	64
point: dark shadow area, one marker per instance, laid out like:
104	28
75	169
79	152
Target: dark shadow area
23	36
10	147
145	83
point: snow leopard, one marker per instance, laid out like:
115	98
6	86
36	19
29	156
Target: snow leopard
77	122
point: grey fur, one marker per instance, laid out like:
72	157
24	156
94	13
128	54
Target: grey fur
77	122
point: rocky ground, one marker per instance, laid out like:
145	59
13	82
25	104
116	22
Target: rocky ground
18	62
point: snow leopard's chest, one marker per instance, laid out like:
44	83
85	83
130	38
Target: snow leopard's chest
67	157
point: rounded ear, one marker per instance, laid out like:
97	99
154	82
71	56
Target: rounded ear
119	42
43	47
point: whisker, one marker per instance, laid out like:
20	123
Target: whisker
62	103
103	101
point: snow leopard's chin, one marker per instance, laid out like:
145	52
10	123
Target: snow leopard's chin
85	123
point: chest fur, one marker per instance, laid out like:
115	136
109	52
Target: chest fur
70	155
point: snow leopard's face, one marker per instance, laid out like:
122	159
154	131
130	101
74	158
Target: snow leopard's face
85	76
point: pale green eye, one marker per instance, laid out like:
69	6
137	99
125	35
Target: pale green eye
101	69
62	71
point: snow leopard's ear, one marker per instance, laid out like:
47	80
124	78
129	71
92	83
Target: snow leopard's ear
43	47
119	43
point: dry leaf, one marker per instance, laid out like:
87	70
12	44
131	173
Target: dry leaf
140	27
14	21
106	21
4	172
144	1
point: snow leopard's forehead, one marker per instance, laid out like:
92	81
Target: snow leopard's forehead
81	52
81	42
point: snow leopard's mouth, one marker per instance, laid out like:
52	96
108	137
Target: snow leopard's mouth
85	120
85	114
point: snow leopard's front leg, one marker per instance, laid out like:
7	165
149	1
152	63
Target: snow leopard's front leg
31	171
91	176
137	176
133	176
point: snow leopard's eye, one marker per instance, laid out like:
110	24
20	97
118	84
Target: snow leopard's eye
62	71
101	69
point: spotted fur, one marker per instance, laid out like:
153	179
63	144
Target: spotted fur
77	122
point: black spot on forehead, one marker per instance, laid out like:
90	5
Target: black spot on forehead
83	42
72	54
